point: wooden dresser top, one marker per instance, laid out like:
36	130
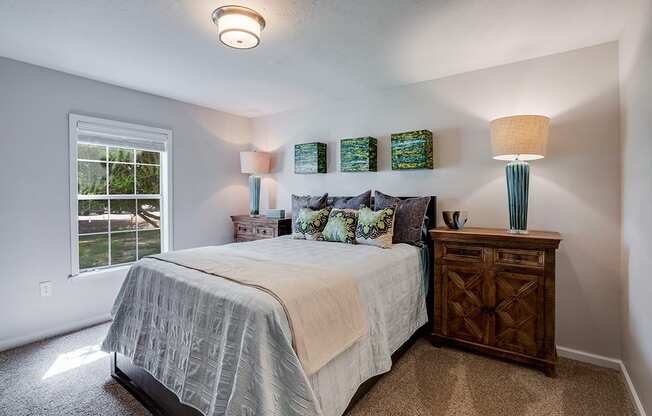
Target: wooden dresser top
258	219
543	238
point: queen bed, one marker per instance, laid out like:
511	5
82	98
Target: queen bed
187	342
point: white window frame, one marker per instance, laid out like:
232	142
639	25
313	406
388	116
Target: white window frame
109	132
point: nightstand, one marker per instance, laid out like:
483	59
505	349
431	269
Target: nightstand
495	293
248	228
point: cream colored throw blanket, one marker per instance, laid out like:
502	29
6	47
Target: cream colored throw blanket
323	307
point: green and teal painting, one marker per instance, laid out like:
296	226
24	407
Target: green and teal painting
412	150
310	158
359	154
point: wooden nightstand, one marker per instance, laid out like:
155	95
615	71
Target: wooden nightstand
495	293
248	228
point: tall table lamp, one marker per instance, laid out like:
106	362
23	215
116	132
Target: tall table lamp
519	139
254	163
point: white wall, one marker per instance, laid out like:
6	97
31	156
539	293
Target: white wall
575	190
636	105
34	206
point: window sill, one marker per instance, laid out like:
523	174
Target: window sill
100	272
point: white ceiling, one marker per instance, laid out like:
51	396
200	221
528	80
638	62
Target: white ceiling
310	49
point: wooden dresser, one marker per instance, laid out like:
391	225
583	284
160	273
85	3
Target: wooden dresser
495	293
248	228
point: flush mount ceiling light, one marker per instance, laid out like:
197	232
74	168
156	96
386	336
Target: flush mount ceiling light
238	27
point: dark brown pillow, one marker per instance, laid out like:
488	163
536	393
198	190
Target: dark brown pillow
410	215
351	202
306	201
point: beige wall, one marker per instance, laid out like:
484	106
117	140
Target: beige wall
575	190
636	98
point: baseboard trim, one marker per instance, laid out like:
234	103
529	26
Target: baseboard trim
632	390
608	362
7	344
587	357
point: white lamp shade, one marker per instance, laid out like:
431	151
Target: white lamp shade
519	137
254	163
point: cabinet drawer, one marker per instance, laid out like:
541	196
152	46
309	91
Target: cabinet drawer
264	232
515	257
463	252
244	229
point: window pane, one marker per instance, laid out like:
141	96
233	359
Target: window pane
149	214
123	247
93	251
91	178
123	214
149	242
119	154
147	179
93	216
152	158
91	152
121	179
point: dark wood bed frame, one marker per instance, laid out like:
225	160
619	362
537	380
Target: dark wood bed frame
160	401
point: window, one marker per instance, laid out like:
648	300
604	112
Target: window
119	192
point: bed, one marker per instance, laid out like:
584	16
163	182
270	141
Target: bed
185	343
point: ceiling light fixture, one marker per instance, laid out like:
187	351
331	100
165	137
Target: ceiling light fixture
238	27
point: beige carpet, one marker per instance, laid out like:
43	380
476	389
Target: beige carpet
66	376
442	381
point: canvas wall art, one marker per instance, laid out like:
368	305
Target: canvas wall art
359	154
310	158
412	150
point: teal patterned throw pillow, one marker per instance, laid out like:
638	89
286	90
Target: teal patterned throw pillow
375	228
341	226
309	224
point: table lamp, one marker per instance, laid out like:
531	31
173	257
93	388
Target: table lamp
519	139
254	163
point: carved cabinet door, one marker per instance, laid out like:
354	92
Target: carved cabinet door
518	313
463	307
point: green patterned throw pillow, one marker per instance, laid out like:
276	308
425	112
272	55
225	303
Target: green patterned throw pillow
375	228
341	226
309	223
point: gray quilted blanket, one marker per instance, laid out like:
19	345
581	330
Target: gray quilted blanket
226	349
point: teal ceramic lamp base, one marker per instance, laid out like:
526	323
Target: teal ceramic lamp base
254	195
518	182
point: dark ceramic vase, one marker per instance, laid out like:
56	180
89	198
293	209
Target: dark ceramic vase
455	220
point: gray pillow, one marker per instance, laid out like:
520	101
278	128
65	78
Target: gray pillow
410	215
306	201
351	202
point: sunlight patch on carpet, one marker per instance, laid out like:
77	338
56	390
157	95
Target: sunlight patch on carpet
75	359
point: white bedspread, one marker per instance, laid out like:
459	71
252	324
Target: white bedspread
225	348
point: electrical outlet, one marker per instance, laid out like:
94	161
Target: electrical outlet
46	288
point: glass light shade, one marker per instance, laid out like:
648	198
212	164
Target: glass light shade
519	137
238	27
254	163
